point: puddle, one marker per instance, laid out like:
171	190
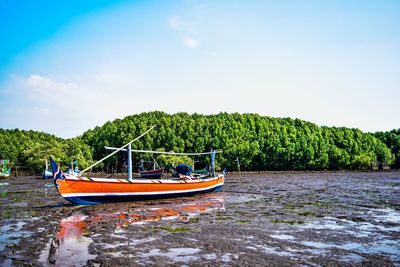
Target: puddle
273	250
227	257
11	234
385	215
317	244
211	256
328	223
283	237
352	258
379	244
69	247
129	242
390	247
174	254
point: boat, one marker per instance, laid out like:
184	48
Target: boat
203	171
5	168
73	170
47	173
155	173
82	190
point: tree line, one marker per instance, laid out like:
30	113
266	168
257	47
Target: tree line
392	141
259	142
28	149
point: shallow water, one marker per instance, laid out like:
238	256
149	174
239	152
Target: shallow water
69	245
281	219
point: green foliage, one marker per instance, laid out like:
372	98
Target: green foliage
169	161
30	148
361	162
35	156
260	143
392	141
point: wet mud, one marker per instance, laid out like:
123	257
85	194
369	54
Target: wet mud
284	219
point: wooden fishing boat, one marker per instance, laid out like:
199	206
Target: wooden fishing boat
5	168
155	173
87	190
4	175
47	173
201	171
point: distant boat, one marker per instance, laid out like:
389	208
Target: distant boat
47	173
155	173
86	190
5	168
203	171
73	170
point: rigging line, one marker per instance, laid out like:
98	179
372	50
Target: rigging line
118	149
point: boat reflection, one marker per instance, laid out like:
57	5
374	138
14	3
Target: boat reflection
70	245
144	212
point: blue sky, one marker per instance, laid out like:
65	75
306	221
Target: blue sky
82	63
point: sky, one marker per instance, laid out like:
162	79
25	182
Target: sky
69	66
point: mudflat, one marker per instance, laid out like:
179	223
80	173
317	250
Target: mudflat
282	219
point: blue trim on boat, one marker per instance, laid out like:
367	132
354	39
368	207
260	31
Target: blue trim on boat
90	200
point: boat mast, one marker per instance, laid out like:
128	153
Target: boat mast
129	162
213	161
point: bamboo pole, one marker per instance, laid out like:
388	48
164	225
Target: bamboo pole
118	149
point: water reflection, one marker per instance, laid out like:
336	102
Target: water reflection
71	245
124	214
11	233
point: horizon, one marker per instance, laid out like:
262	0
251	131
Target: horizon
84	64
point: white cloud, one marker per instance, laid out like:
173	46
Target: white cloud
185	29
44	100
49	88
190	42
37	80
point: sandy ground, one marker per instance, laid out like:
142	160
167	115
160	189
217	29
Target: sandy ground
327	219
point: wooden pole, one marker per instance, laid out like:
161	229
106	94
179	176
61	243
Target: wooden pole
238	165
129	163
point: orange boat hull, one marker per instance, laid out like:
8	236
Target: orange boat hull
84	191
